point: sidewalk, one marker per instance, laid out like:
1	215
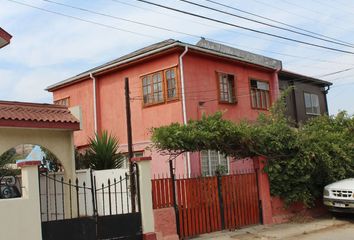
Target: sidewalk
277	231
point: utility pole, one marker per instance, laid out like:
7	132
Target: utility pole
130	145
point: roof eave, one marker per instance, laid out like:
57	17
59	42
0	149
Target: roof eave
86	75
308	78
65	126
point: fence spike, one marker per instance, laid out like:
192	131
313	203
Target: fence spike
109	195
115	194
84	184
103	205
71	206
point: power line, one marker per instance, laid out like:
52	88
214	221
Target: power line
275	21
333	73
238	45
213	26
295	14
266	24
82	20
120	18
245	28
136	33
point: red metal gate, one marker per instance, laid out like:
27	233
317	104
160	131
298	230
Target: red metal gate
209	204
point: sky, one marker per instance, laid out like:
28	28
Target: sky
48	47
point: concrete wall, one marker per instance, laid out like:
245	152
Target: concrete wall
165	224
282	213
20	217
60	143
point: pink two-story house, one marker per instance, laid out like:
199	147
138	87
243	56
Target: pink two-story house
171	81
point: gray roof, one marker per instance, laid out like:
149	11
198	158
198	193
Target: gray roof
291	76
202	46
241	54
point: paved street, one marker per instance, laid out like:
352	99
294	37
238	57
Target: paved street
345	232
318	229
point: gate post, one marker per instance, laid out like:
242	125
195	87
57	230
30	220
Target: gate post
263	191
30	201
145	198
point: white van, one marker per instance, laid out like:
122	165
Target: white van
339	196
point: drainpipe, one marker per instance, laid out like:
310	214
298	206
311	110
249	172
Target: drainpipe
184	111
325	97
94	102
276	90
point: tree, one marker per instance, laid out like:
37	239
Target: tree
103	152
300	161
5	159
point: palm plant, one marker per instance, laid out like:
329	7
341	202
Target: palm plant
103	152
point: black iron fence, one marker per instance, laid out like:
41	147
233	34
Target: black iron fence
61	199
10	186
93	206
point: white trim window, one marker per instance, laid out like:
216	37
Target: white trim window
211	160
312	104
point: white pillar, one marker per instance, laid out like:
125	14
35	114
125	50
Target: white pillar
147	214
30	203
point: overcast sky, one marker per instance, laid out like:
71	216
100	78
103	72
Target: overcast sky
47	48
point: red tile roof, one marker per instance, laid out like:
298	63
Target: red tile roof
41	115
4	38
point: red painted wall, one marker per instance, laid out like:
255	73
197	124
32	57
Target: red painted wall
111	108
165	224
80	94
201	84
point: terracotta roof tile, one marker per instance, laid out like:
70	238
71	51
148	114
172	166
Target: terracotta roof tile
35	112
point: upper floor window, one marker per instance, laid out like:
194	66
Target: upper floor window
64	102
260	94
312	104
212	161
159	86
226	88
171	82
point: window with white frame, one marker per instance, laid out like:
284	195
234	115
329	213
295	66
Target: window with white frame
211	160
226	88
312	104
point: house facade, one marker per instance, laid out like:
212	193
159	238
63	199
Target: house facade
307	98
171	82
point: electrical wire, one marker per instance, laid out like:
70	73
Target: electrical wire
237	45
83	20
266	24
295	14
120	18
275	21
124	30
245	28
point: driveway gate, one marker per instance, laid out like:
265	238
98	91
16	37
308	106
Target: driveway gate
209	204
84	211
